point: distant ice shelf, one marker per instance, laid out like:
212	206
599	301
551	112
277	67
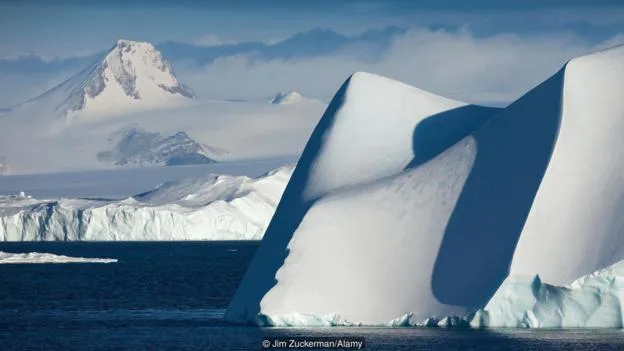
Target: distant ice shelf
37	257
211	207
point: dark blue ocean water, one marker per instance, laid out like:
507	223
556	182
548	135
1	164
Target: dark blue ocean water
172	295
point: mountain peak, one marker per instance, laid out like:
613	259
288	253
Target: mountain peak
286	98
132	76
130	48
126	42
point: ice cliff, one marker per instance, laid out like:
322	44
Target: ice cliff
214	207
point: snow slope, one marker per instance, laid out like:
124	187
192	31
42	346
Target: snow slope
533	188
581	198
132	75
36	257
287	98
361	187
212	207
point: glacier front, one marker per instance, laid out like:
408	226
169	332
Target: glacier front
212	207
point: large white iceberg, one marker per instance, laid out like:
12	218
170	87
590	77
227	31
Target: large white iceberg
409	204
345	236
212	207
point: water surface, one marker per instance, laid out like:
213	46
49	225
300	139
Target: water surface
172	296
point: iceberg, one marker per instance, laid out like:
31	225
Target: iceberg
37	257
575	224
347	225
407	203
592	301
211	207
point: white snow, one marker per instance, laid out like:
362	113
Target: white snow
212	207
287	98
36	257
121	183
41	136
131	76
575	225
358	200
296	319
405	203
592	301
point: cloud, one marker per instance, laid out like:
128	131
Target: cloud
455	62
19	87
494	69
210	39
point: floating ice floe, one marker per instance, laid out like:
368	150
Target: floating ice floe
37	257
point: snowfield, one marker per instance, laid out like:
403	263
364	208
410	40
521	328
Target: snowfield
431	212
212	207
36	257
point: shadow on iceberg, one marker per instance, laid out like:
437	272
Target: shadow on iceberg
430	136
260	276
403	181
513	150
437	133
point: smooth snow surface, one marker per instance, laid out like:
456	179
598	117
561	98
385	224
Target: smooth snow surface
212	207
408	203
576	224
361	190
36	257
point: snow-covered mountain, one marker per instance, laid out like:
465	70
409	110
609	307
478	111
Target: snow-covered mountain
212	207
136	146
426	208
131	76
69	127
286	98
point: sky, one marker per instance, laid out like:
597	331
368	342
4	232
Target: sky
480	51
